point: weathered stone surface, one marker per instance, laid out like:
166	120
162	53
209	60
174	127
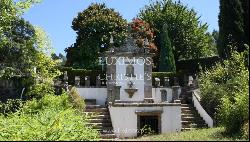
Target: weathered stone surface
77	80
143	104
176	81
157	82
166	82
87	81
117	90
98	81
164	95
175	92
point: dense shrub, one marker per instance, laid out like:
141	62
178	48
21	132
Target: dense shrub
12	105
50	118
195	65
234	112
224	92
246	130
76	99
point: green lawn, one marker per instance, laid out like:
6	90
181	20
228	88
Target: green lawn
212	134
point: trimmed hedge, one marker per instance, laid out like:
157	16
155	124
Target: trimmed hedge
193	66
171	75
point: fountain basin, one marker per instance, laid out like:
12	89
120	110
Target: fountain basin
131	91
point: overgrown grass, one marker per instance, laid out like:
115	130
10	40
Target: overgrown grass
51	118
212	134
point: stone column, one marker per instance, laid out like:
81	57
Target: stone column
87	81
190	80
111	97
195	81
77	80
175	95
110	76
175	89
157	82
164	94
176	82
148	77
98	81
66	86
166	82
117	92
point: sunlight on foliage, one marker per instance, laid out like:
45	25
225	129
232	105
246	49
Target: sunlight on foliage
51	118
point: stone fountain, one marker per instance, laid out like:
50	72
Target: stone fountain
131	90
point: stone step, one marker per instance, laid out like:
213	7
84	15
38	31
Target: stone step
187	115
193	125
97	113
188	111
107	140
99	120
193	122
185	105
107	136
98	127
96	110
191	118
100	124
105	116
187	108
103	129
187	129
94	106
106	130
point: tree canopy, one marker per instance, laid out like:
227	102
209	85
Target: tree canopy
25	50
225	92
189	37
94	27
233	25
167	62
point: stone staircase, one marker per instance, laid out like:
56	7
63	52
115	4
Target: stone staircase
100	120
191	118
189	115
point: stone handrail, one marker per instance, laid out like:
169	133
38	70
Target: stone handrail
201	111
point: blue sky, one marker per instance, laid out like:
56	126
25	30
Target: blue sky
55	16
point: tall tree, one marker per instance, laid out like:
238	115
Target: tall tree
186	32
231	27
94	26
167	62
245	6
24	50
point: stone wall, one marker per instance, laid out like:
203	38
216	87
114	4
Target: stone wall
125	122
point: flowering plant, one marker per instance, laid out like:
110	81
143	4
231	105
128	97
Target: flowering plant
141	31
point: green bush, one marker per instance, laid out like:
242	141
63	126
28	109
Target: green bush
12	105
76	99
234	112
50	118
224	92
246	130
